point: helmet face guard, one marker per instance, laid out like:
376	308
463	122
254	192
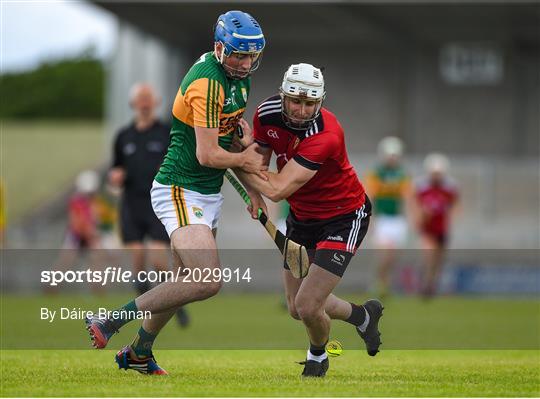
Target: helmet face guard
299	112
302	95
240	36
233	63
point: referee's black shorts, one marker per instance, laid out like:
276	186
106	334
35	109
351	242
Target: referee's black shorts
138	221
331	243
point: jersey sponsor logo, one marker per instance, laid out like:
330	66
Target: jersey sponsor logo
272	133
228	101
335	238
338	258
229	123
198	212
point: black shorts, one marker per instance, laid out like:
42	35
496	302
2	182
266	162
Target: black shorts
138	221
441	239
331	243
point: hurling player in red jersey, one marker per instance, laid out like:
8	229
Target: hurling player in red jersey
329	209
436	199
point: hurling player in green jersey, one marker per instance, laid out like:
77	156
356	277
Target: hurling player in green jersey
186	191
388	185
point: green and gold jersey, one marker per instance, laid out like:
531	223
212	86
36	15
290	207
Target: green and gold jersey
387	188
206	98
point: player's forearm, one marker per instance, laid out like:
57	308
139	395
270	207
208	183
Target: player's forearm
219	158
270	188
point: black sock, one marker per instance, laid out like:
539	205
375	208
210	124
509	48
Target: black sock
358	315
317	350
142	287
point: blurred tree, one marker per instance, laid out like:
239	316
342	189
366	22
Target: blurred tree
68	88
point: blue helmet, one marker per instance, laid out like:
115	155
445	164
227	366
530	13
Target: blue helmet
239	32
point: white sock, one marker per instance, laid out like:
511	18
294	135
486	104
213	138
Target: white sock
365	323
320	358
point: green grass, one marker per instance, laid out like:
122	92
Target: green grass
274	373
41	159
246	345
257	321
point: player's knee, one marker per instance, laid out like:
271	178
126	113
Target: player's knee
306	309
292	311
208	289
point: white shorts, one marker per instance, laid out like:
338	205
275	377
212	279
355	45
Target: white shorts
177	207
390	230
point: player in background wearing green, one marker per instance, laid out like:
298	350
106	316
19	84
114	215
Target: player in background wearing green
186	192
388	185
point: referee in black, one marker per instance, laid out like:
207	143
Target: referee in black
139	149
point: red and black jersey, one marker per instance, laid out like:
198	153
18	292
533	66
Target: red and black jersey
335	188
435	201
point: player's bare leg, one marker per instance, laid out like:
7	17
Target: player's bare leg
196	247
433	255
193	246
364	317
310	303
159	320
158	257
335	307
387	255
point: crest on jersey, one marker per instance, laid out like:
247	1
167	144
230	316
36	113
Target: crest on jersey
296	142
198	212
244	94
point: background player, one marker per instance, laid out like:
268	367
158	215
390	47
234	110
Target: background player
139	149
436	197
329	210
186	192
388	186
82	233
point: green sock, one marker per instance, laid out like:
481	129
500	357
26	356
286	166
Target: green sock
142	344
124	315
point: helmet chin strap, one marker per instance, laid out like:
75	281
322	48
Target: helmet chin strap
298	123
220	58
228	70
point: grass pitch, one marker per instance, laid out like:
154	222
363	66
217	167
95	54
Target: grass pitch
274	373
246	345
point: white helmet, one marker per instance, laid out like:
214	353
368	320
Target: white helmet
305	82
436	163
87	182
390	147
